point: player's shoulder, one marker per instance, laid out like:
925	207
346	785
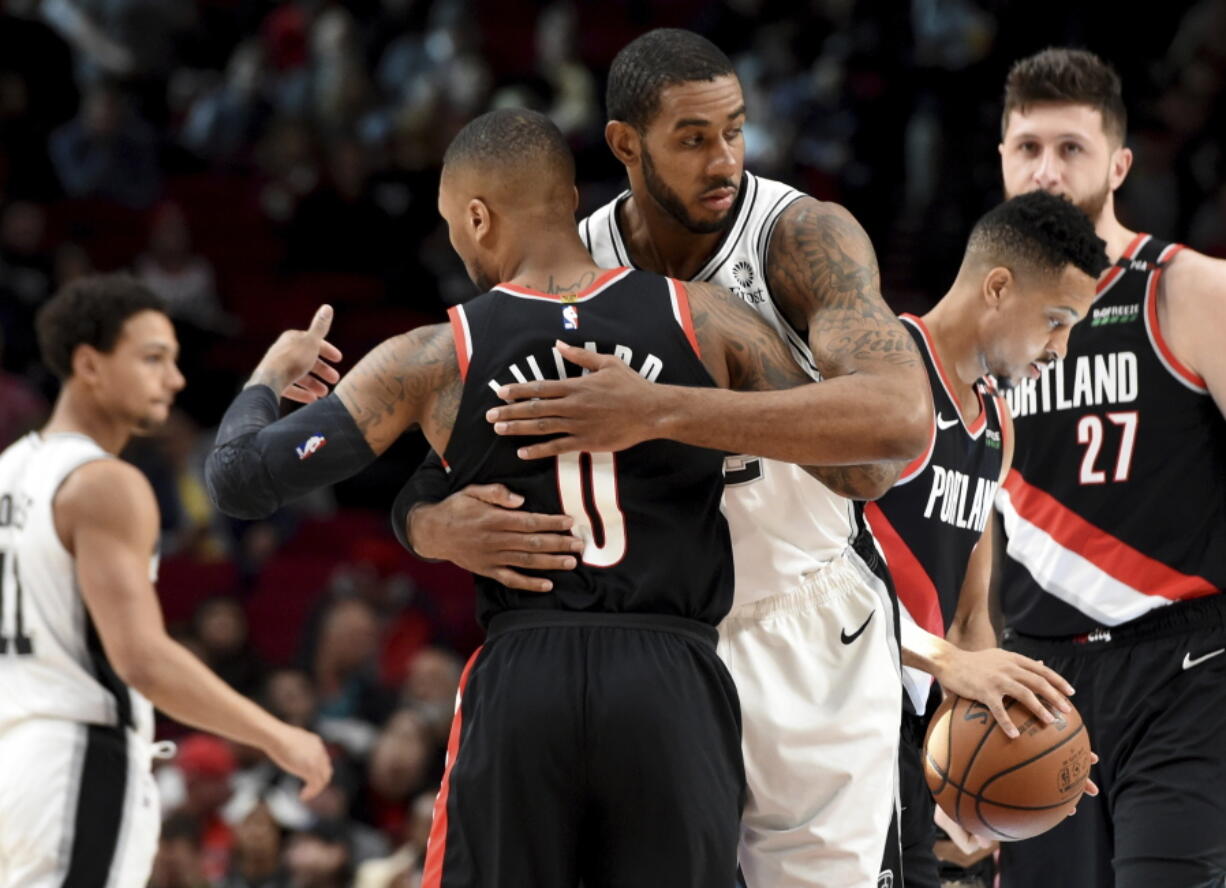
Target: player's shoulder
807	216
106	489
1192	277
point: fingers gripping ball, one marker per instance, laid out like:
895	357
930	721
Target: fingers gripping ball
999	788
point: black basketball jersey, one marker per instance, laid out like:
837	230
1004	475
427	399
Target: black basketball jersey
931	519
656	539
1116	503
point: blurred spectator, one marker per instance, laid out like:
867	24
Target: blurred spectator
339	226
398	771
291	696
223	123
395	870
205	765
430	688
182	277
107	152
177	862
345	663
25	278
319	858
71	262
221	627
255	861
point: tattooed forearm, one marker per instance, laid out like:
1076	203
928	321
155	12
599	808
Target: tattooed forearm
823	274
754	356
407	380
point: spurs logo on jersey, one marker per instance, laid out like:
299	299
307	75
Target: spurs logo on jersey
786	523
929	522
51	660
1116	504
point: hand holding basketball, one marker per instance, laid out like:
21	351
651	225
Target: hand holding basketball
1001	788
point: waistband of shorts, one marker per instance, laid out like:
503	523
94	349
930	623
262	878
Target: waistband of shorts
845	574
513	621
1206	614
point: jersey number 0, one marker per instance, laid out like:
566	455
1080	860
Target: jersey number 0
599	470
10	590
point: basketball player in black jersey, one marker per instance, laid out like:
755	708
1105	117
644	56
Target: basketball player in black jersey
1115	511
597	739
1027	276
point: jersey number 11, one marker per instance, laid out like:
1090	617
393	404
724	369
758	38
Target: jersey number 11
10	585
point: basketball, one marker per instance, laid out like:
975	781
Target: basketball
999	788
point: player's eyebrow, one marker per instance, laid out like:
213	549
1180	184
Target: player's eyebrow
702	121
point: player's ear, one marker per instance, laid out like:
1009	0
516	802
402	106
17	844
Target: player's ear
1121	163
996	284
480	220
624	141
85	362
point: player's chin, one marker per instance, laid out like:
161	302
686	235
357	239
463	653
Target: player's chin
152	420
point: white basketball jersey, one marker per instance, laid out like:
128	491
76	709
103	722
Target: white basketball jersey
52	664
785	524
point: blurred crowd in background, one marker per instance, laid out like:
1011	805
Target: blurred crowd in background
249	160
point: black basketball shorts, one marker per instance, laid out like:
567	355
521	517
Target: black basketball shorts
1153	697
591	748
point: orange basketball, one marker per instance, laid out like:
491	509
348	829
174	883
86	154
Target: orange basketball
999	788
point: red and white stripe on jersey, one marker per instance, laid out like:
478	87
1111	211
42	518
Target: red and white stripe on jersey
681	311
916	591
602	283
1177	368
1116	271
1083	565
463	338
436	844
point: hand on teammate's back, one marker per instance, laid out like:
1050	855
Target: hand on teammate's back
606	410
481	530
991	675
296	365
302	754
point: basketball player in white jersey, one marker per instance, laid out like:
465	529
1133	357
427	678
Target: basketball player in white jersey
811	637
83	650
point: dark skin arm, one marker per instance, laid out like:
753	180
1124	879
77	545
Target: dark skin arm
873	408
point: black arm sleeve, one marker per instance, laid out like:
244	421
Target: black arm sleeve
260	462
429	484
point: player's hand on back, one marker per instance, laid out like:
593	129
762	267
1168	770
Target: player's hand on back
297	366
609	409
991	675
304	755
481	529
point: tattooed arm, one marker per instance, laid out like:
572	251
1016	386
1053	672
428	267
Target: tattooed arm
778	412
261	462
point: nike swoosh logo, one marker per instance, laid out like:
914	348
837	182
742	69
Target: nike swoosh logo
944	424
848	639
1188	662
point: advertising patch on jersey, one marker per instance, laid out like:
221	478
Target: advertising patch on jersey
570	318
992	438
1114	314
310	445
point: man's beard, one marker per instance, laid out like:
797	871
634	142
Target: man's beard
672	204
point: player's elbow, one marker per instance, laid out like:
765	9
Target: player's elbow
237	483
136	662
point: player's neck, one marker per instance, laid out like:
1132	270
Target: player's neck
1109	229
76	413
658	242
953	340
553	264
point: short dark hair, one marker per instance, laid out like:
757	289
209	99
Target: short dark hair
90	311
649	64
511	137
1042	231
1071	76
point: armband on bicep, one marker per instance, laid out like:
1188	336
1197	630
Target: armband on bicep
258	465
